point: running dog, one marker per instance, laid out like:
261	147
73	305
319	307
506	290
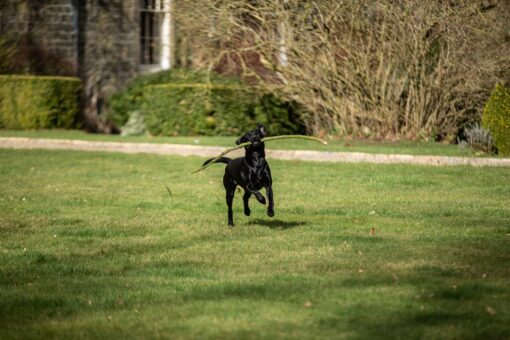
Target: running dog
250	172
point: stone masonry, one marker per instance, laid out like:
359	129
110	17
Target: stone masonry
96	40
45	30
61	20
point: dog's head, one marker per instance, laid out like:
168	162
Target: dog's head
254	136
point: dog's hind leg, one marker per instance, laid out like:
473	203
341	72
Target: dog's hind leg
270	206
246	197
230	189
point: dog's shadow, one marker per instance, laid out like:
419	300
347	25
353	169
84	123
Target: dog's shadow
276	224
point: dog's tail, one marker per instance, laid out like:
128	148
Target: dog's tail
225	160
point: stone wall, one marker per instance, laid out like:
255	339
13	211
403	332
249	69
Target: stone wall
58	24
97	40
46	35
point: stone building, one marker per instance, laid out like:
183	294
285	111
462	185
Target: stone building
104	42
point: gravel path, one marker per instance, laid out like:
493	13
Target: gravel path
211	151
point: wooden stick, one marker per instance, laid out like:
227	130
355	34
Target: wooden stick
266	139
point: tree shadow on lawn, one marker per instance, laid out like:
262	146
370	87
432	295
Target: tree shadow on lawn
277	224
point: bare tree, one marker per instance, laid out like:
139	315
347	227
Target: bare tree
393	69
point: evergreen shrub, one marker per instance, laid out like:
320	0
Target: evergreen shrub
496	118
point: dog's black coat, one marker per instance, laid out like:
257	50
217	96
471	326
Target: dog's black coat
251	172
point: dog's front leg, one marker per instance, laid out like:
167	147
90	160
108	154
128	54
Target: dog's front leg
257	194
246	198
270	206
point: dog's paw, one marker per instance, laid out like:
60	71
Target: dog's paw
270	213
261	199
247	212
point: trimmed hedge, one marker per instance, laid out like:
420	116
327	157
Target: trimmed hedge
196	109
187	102
123	103
215	109
36	102
496	118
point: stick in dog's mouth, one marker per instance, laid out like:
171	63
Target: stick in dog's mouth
265	139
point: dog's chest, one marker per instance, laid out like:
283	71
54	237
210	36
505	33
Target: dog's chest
258	175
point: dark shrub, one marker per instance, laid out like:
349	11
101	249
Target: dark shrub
279	116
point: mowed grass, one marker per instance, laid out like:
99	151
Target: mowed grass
109	245
400	147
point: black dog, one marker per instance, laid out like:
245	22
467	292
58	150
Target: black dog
251	172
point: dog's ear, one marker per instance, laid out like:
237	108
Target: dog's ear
241	140
262	130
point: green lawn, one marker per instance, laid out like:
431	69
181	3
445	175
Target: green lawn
100	245
402	147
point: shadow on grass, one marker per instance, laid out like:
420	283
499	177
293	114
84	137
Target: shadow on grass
277	224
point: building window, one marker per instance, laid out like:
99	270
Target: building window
155	34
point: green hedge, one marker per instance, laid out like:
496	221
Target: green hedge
186	102
196	109
496	118
215	109
279	116
123	103
34	102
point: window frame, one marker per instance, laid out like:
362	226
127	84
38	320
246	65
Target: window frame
156	31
